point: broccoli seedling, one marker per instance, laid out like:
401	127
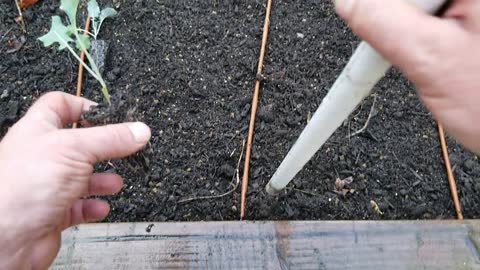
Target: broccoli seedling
66	35
98	16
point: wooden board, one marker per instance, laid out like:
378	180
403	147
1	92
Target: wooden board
273	245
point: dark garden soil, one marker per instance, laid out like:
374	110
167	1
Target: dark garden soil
187	69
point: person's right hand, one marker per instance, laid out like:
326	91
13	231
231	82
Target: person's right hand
440	55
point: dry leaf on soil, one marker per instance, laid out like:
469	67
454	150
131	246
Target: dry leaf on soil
16	43
376	208
340	186
26	3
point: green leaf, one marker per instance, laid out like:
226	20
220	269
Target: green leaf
83	42
93	9
70	8
58	33
107	13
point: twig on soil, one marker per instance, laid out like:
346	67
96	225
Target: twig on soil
109	163
6	33
20	17
372	109
233	152
254	110
416	174
80	68
236	179
451	178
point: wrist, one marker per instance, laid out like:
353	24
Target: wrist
16	260
13	235
11	238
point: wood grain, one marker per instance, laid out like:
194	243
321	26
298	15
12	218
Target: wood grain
273	245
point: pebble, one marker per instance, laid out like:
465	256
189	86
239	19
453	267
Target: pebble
227	170
245	110
455	159
470	164
398	114
419	210
116	71
111	77
300	35
5	94
266	115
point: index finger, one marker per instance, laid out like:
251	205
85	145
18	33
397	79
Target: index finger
55	110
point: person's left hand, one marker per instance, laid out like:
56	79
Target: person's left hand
46	170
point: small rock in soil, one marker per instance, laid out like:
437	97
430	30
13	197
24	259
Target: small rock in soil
281	132
258	172
398	114
116	71
227	170
469	165
266	114
5	94
111	77
455	159
360	185
419	210
245	110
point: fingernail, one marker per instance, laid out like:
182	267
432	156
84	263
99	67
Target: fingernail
141	132
343	7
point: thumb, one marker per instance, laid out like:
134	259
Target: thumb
404	34
107	142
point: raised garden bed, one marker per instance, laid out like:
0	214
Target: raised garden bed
282	245
187	68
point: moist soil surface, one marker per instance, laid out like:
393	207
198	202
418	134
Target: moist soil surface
187	69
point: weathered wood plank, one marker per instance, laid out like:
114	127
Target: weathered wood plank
273	245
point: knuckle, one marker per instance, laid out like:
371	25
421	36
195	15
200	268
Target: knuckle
51	106
54	96
117	134
356	18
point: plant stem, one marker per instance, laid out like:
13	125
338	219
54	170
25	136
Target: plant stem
86	32
78	57
96	70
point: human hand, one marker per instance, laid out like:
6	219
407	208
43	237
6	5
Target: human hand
45	170
440	55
